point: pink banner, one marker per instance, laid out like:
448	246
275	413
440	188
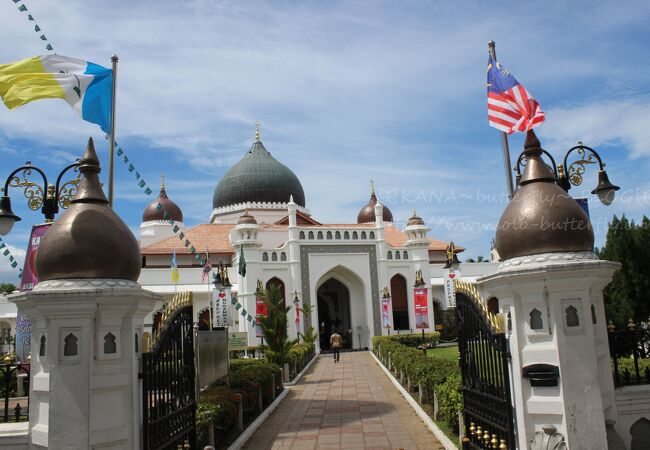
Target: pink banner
260	310
421	308
29	279
385	311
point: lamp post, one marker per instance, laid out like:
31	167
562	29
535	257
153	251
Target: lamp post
48	197
572	174
296	305
452	258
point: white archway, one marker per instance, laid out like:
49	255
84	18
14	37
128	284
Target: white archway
359	309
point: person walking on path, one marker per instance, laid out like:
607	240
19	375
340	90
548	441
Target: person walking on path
335	343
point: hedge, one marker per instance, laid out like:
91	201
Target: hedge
246	373
415	339
434	374
299	355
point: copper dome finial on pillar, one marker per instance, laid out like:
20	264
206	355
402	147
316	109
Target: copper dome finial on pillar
372	188
367	213
88	240
541	217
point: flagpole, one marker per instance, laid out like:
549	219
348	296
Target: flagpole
114	60
505	148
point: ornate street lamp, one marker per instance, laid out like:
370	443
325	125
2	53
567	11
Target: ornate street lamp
48	197
571	174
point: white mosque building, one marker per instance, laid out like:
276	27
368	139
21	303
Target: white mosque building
342	270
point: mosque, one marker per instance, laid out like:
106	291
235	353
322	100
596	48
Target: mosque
342	270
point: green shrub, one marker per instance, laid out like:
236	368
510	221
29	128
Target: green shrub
435	374
246	374
217	412
415	339
299	354
628	364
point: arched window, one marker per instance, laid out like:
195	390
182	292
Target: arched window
355	235
70	347
109	344
398	255
572	319
329	235
400	302
372	235
346	235
337	235
283	256
593	314
302	235
275	281
274	256
320	235
536	322
265	256
405	254
41	349
363	235
390	255
137	345
311	235
493	305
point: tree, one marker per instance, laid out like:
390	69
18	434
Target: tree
310	335
275	327
7	288
626	295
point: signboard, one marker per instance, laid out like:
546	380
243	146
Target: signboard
27	283
450	289
385	311
421	308
221	298
212	356
260	310
237	340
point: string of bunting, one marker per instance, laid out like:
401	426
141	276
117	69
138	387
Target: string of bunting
12	261
245	314
23	8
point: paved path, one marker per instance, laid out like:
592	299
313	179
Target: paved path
347	405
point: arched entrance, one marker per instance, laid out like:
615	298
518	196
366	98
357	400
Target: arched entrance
278	283
334	312
400	303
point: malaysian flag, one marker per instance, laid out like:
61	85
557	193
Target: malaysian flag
510	106
205	274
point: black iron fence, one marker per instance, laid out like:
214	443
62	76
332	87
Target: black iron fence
14	390
630	352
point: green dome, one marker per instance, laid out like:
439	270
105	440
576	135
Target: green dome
258	177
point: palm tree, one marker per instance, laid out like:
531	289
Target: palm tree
275	326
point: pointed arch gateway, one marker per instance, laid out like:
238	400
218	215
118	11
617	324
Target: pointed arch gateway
400	302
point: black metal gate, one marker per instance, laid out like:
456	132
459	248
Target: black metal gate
168	381
484	355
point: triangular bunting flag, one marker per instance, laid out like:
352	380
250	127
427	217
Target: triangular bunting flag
30	17
43	38
49	47
37	28
22	8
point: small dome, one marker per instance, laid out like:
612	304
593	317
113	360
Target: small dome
415	220
541	217
88	240
258	177
246	219
153	213
367	213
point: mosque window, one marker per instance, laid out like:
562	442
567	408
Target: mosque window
405	255
390	255
283	256
265	256
136	343
536	322
41	349
572	319
363	235
593	314
302	235
274	256
337	235
397	255
346	235
70	347
355	235
372	235
329	235
311	235
320	235
109	344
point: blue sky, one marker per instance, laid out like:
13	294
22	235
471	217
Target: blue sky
345	92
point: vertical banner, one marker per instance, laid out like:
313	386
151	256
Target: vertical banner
298	318
385	311
221	299
27	283
260	310
450	289
421	308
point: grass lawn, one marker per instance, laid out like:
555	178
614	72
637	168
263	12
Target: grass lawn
449	353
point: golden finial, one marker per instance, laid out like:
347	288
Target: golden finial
372	187
257	131
503	445
631	325
162	182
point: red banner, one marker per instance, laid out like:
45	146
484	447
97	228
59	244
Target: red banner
385	311
29	280
260	310
421	308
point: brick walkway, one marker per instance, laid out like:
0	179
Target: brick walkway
348	405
